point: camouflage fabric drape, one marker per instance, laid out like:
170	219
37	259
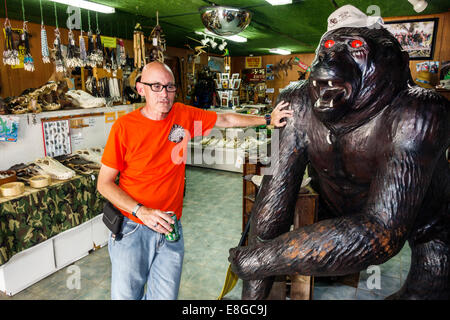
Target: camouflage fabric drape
37	216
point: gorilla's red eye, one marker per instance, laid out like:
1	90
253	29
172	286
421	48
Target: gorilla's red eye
356	43
329	43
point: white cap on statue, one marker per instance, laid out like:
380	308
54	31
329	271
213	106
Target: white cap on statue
350	16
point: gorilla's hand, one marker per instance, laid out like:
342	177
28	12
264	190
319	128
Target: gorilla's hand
257	260
243	262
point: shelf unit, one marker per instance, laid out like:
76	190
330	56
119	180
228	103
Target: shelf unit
301	287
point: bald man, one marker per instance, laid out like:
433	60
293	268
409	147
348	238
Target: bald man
141	148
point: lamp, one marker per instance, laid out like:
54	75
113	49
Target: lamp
280	51
87	5
205	41
279	2
222	46
419	5
213	43
234	38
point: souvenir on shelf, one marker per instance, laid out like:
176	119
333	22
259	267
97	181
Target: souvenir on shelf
91	154
24	172
49	166
78	164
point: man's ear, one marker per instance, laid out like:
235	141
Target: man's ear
140	88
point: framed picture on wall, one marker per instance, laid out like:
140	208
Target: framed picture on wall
56	138
417	37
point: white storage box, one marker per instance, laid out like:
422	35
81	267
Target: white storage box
73	244
100	233
27	267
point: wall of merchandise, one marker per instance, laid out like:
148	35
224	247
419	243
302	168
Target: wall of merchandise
84	131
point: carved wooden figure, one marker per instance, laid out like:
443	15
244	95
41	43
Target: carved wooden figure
375	143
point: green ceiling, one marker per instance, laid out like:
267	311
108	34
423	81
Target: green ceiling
297	27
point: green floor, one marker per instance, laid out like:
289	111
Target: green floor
212	224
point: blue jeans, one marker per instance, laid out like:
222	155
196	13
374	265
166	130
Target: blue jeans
143	256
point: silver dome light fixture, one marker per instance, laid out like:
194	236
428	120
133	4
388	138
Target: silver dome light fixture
225	21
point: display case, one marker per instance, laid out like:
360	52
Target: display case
226	149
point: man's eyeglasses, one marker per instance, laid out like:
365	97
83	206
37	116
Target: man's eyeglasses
158	87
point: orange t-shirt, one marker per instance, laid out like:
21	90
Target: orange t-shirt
150	155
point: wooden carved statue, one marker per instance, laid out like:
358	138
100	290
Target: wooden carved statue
375	143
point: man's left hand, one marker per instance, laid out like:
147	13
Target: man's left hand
278	113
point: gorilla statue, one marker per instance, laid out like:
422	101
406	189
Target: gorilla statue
375	145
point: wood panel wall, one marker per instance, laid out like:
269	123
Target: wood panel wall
442	42
14	81
441	53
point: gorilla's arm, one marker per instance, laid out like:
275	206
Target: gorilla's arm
351	243
273	209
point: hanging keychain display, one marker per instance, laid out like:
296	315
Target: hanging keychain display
158	42
91	60
139	46
72	61
83	55
28	62
98	43
120	54
10	54
58	59
44	43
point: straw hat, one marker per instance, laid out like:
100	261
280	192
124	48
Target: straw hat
423	79
350	16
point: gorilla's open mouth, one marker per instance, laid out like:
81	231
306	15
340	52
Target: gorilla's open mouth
329	94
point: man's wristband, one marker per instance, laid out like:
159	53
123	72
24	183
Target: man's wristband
135	210
268	118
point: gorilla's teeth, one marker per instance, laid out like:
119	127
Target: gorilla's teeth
331	103
330	83
314	83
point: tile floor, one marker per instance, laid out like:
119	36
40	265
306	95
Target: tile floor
212	224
